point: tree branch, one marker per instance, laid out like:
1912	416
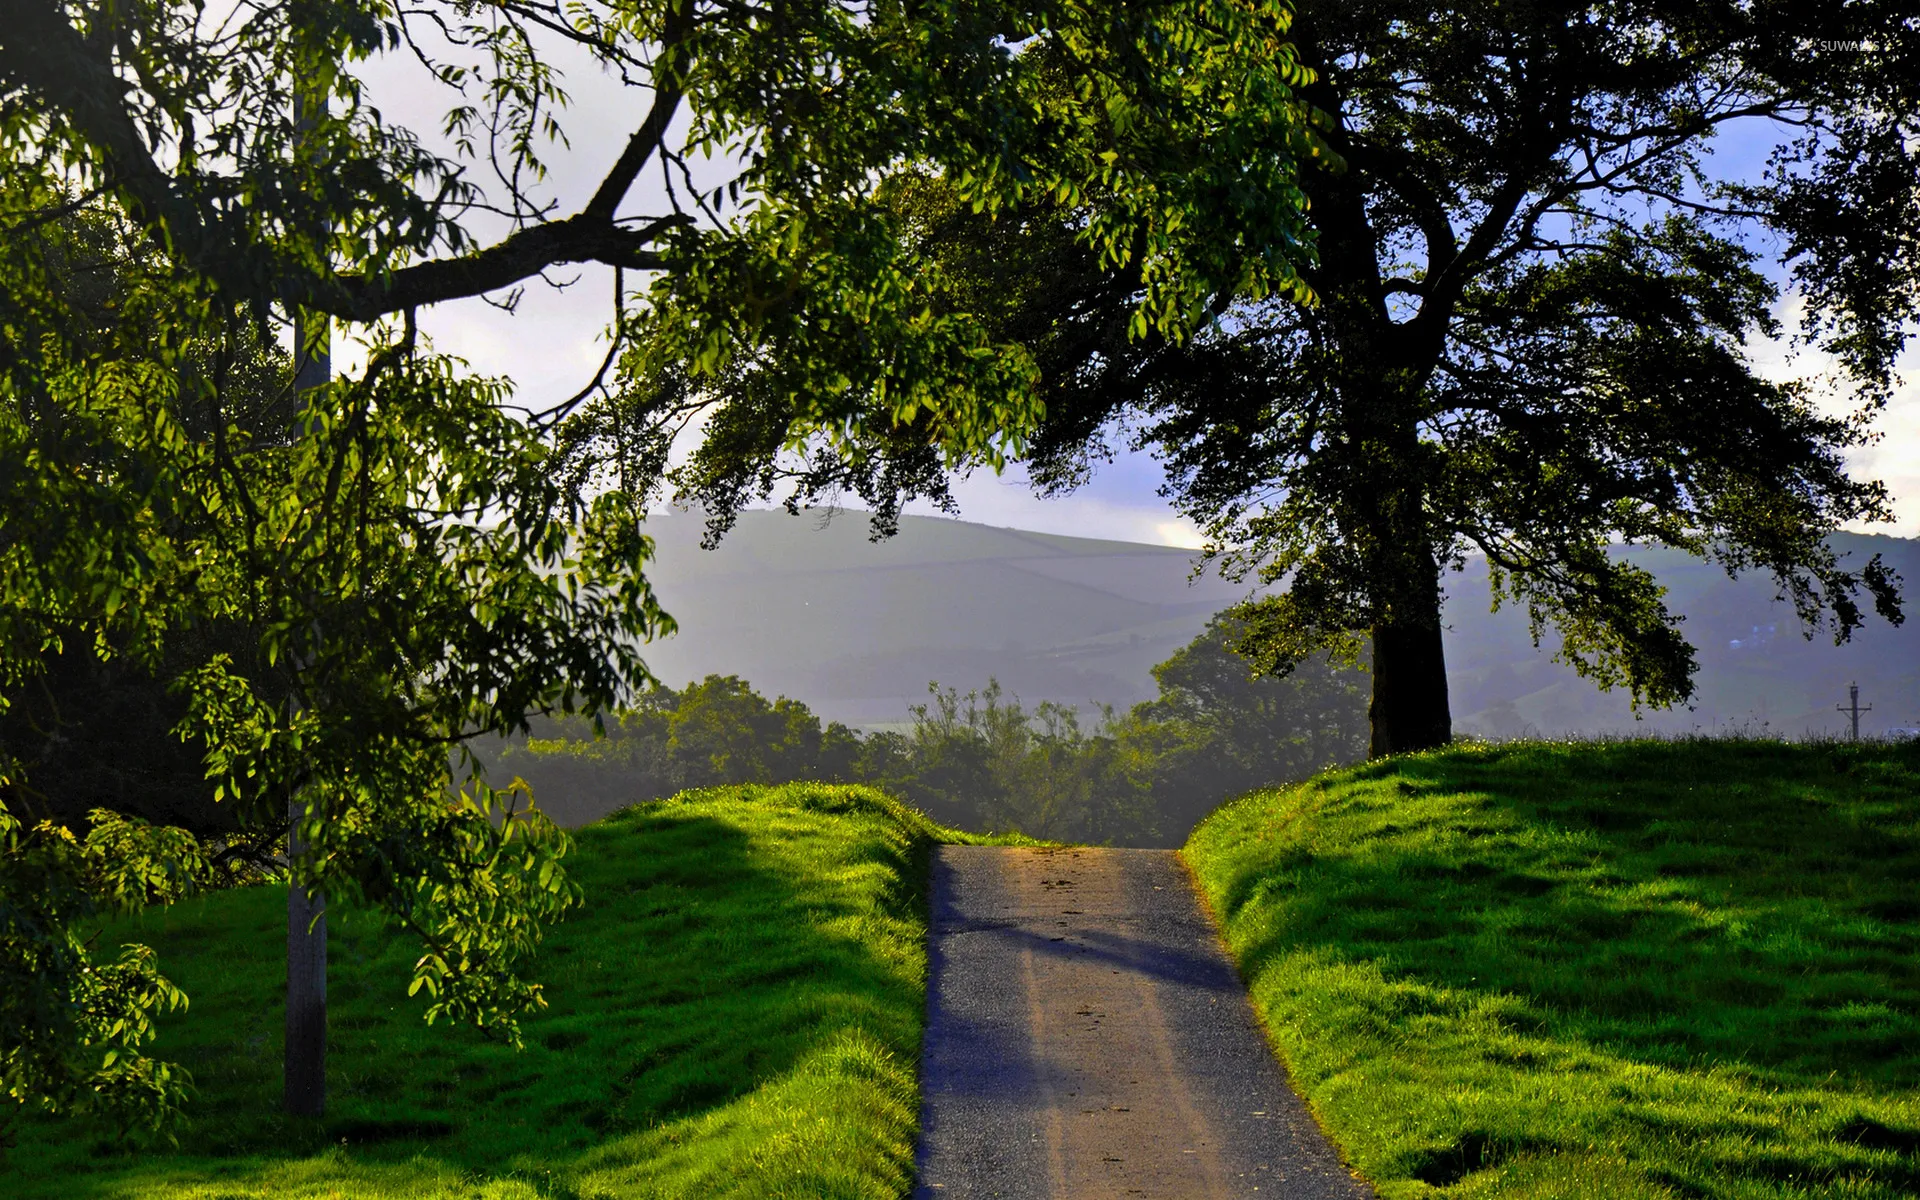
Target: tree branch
42	53
633	159
575	240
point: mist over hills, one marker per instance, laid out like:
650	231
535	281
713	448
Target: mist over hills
1758	670
808	607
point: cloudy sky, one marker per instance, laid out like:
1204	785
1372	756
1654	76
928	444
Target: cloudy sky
551	344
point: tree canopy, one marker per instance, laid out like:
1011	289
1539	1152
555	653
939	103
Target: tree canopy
191	128
402	558
1536	308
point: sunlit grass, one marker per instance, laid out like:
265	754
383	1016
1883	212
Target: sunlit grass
1641	969
736	1012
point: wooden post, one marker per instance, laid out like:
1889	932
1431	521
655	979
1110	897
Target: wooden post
305	1063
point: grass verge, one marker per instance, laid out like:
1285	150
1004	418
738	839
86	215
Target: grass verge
1645	969
735	1012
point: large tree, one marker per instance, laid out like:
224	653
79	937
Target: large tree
1534	308
411	564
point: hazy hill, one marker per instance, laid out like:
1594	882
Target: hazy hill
812	609
1757	669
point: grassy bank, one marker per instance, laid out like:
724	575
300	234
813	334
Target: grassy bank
1683	969
735	1012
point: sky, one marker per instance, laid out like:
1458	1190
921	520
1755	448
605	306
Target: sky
551	344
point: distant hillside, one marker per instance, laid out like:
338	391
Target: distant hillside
812	609
1757	670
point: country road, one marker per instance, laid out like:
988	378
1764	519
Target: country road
1087	1037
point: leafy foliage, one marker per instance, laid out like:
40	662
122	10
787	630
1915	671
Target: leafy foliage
1219	730
401	574
1536	302
72	1027
1145	777
398	561
716	731
980	761
1177	117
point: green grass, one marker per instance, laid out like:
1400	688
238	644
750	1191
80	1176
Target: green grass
1643	969
736	1012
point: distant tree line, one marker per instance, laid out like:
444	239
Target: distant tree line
981	759
98	735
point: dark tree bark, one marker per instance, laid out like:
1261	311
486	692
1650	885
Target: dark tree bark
1410	710
305	1062
1388	498
1378	368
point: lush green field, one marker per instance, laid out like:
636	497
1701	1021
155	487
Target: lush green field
1643	969
735	1012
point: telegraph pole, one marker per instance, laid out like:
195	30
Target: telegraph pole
1852	708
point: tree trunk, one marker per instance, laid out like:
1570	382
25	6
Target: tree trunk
305	1063
1381	366
1410	709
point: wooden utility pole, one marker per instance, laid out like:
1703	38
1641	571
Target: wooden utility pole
305	1064
1852	708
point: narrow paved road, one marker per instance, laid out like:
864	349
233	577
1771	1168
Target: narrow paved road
1087	1038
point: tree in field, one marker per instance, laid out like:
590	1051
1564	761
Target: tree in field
402	573
1533	306
983	761
979	760
1218	730
417	561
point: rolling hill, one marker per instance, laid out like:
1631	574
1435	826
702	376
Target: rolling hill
810	608
1759	673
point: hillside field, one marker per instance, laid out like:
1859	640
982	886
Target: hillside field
1684	970
735	1012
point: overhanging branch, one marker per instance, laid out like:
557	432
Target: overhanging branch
577	239
41	53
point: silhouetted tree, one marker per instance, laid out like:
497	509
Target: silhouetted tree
1528	339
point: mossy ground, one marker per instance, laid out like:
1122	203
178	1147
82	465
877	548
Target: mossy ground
736	1011
1645	969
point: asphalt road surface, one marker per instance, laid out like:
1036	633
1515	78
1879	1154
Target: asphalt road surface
1087	1037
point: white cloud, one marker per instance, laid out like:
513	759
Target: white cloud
1114	507
1894	458
1180	532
